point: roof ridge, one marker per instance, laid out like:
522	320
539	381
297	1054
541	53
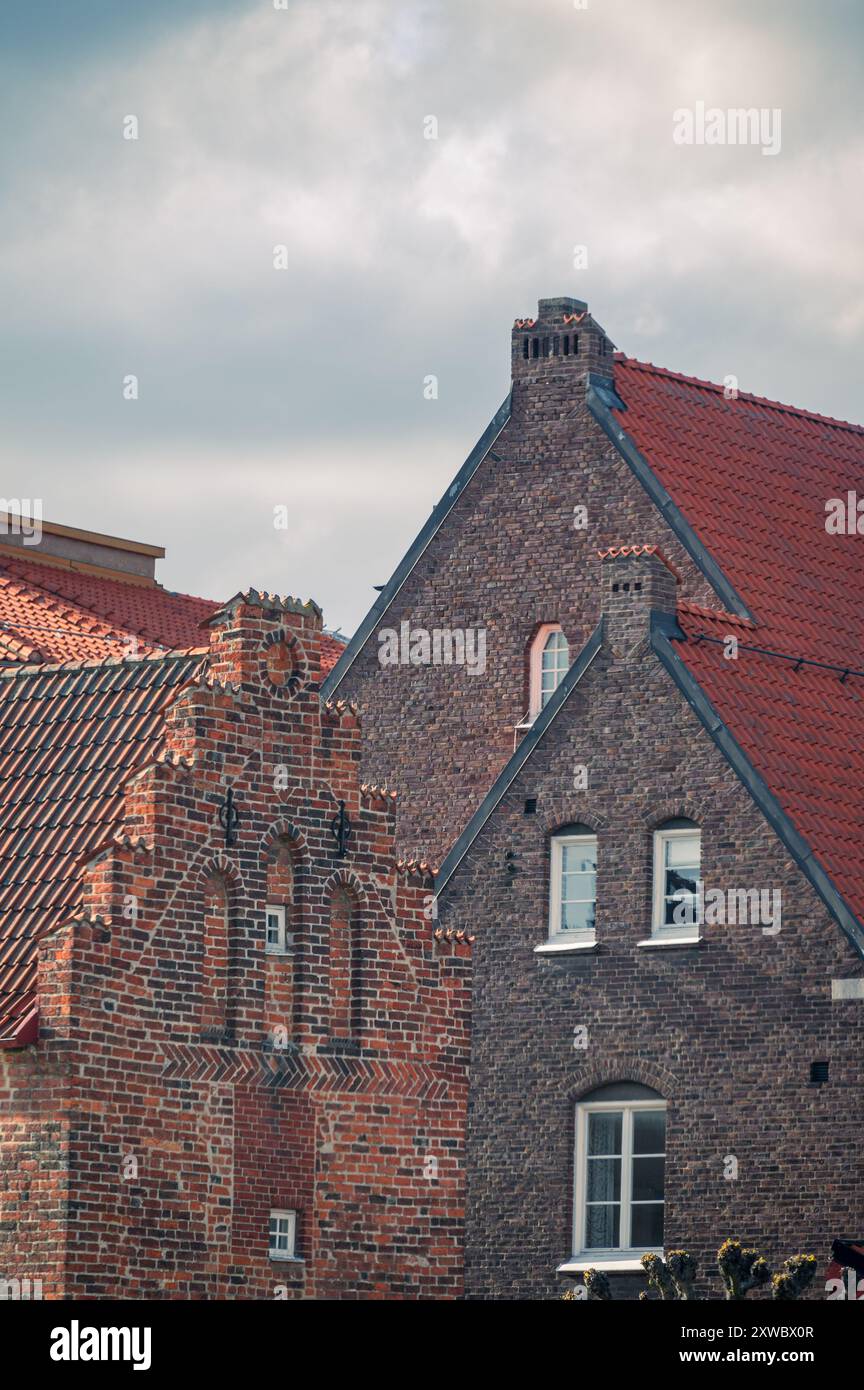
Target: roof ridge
97	663
623	360
715	614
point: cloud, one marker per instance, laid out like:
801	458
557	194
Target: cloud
406	256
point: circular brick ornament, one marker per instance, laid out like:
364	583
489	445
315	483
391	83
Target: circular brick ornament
285	664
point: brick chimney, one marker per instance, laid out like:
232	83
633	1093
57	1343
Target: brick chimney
557	349
635	580
258	637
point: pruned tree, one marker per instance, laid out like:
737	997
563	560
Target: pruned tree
741	1269
795	1276
596	1285
673	1277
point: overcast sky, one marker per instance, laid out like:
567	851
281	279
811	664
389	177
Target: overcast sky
304	127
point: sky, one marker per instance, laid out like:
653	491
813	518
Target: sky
305	127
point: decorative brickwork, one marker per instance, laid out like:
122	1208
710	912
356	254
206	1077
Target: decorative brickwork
186	1081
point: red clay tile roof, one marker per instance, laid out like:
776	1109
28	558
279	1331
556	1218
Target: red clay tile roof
51	613
331	650
752	478
156	616
35	626
70	735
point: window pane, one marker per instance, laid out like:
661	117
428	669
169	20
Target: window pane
554	664
602	1225
683	851
647	1179
577	917
649	1131
604	1131
579	858
604	1178
646	1225
578	887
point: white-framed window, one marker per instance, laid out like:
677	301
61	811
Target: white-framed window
549	664
276	939
677	868
283	1235
619	1173
573	885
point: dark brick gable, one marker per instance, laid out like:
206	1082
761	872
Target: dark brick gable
725	1030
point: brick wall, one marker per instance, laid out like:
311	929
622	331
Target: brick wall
725	1031
507	559
206	1082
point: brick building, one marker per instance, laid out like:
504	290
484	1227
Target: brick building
232	1040
647	796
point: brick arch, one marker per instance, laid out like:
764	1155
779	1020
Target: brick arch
220	866
285	832
607	1072
346	905
563	812
217	892
688	806
348	881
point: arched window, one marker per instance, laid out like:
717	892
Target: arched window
215	957
573	886
620	1173
549	664
345	983
279	911
677	907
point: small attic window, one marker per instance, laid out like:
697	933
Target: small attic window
549	662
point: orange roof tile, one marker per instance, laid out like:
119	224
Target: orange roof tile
70	735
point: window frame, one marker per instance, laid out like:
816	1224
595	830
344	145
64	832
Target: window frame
535	681
282	947
283	1214
557	842
659	926
609	1254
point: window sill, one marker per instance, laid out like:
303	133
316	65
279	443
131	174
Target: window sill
553	948
272	953
285	1259
630	1264
658	943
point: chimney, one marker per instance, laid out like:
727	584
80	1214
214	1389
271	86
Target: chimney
263	640
636	580
559	348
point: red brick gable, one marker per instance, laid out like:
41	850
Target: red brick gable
225	1076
